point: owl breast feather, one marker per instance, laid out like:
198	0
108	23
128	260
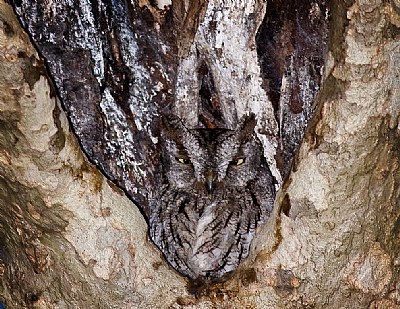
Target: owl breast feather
206	235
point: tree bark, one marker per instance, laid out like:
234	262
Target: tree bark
70	238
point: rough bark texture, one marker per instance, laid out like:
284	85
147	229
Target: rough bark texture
114	71
291	46
71	239
119	65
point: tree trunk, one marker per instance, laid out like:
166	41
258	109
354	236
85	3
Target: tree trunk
70	238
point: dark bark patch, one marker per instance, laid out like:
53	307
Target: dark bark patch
7	29
286	281
31	297
157	265
57	141
337	29
248	276
210	114
32	69
285	205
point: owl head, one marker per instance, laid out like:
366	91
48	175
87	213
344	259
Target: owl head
207	159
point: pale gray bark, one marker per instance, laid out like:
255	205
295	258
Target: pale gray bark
71	239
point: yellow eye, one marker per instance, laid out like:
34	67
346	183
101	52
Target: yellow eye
237	162
183	160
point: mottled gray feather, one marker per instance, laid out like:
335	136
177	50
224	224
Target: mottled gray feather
208	209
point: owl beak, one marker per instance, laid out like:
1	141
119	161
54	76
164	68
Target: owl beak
210	181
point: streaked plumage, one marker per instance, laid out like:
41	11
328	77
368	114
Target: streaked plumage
217	190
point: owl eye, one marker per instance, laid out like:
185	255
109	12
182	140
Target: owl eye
237	162
183	160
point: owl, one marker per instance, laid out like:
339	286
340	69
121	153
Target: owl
217	189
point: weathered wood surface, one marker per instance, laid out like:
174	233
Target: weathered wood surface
70	239
118	65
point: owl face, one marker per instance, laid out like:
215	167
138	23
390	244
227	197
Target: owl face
204	159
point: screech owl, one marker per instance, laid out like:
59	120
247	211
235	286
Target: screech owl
218	188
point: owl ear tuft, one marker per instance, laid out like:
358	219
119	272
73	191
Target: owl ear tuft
246	126
172	126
